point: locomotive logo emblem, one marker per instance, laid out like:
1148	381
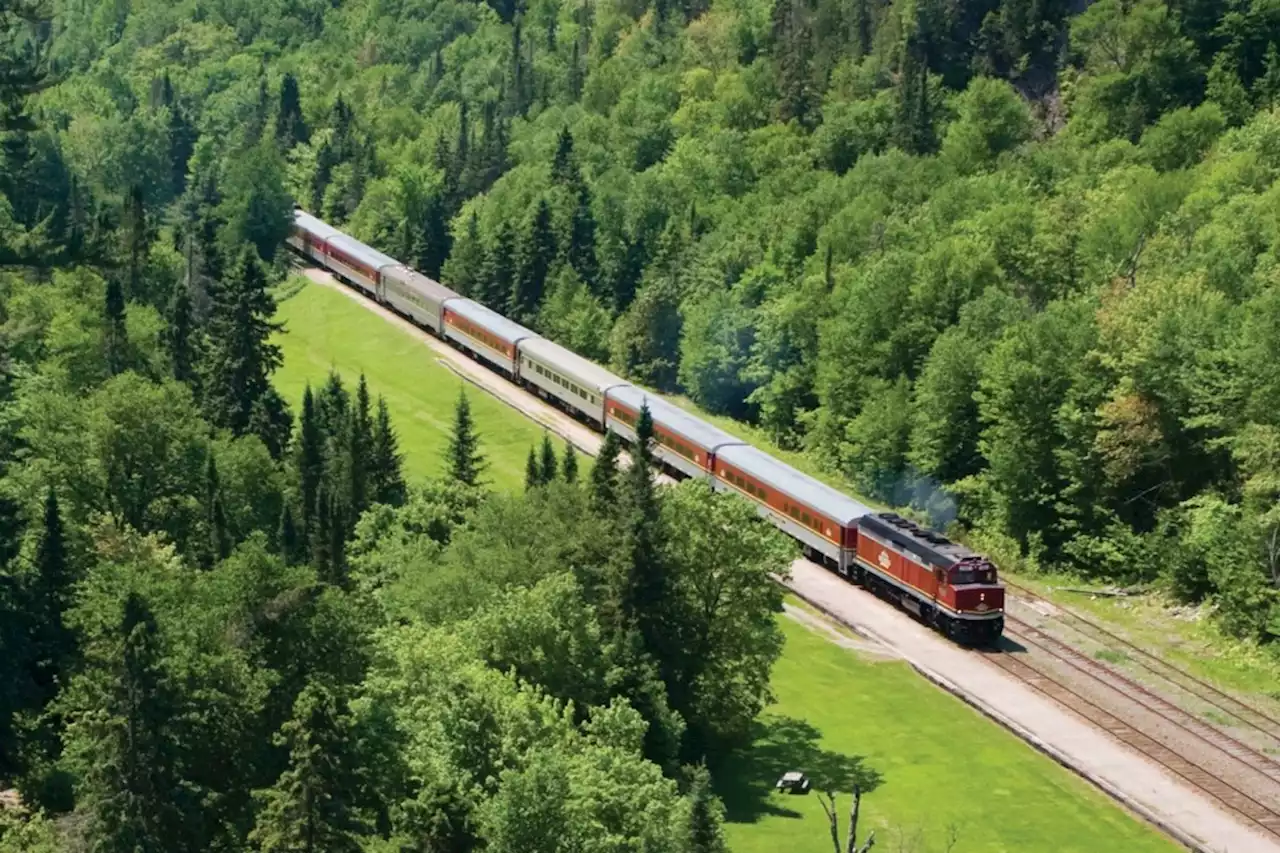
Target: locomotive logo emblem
884	559
982	607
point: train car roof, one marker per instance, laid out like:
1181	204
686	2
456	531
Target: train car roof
365	254
795	484
937	549
420	282
486	318
674	418
554	354
313	225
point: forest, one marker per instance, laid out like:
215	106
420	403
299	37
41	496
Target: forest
1007	264
1012	265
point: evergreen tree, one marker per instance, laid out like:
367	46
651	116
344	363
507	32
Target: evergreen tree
644	589
570	464
309	809
179	334
537	251
548	464
1268	87
706	832
288	538
257	123
240	356
137	238
575	72
914	131
362	445
466	463
466	267
132	782
310	460
532	471
434	239
322	535
564	168
499	272
291	129
604	475
216	517
182	141
386	480
794	39
582	239
117	337
53	644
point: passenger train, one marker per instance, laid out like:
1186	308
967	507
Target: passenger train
942	582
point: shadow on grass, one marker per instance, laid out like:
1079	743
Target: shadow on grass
780	744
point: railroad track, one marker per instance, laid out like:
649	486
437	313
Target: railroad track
1243	713
1231	797
1224	791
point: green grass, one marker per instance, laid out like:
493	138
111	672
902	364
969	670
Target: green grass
942	763
325	329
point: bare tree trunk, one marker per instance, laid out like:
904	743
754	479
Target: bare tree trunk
854	808
831	818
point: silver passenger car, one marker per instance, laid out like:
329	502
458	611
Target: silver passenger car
416	296
808	509
681	440
308	235
567	376
485	332
357	263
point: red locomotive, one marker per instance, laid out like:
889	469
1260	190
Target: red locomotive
944	583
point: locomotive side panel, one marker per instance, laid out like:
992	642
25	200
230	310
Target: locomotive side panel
799	521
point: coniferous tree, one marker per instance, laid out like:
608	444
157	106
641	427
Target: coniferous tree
575	72
434	239
499	271
570	463
309	809
362	429
310	460
179	335
604	474
241	355
467	261
466	463
131	784
532	471
548	464
216	517
53	643
137	238
644	588
291	129
537	251
706	832
322	535
386	479
117	338
288	538
582	239
564	168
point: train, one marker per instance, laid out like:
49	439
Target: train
943	583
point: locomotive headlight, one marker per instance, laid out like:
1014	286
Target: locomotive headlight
982	596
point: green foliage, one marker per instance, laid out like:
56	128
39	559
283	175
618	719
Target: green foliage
466	462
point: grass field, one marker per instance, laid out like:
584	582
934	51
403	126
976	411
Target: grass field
941	764
325	329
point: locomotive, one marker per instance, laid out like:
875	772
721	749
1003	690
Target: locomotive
943	583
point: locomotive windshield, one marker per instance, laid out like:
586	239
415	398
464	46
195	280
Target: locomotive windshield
962	575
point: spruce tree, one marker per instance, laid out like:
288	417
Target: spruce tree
644	589
240	356
322	535
537	251
215	516
532	471
137	238
361	449
386	479
116	336
291	129
131	784
570	464
548	463
310	460
582	239
179	335
604	475
466	463
499	269
564	169
309	809
706	833
53	644
288	539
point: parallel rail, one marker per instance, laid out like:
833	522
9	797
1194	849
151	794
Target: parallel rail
1245	714
1232	798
